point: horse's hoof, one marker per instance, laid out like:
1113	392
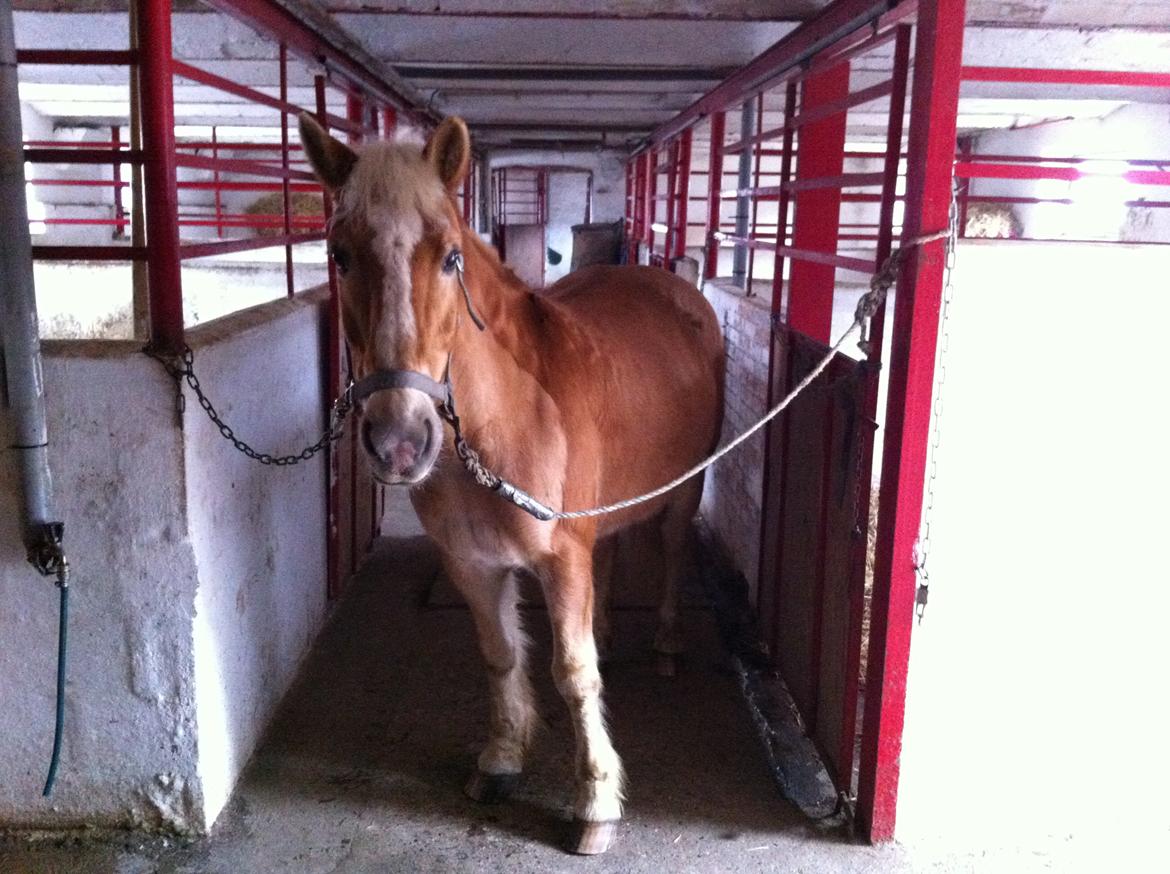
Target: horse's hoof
490	788
666	664
591	838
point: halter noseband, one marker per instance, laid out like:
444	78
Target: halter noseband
381	380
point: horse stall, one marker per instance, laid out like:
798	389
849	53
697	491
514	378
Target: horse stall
261	662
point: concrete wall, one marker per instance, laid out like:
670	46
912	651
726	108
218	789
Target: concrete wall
1036	713
198	580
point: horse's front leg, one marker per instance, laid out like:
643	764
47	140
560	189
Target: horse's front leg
567	579
491	594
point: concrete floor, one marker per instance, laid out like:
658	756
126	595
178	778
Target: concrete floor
364	767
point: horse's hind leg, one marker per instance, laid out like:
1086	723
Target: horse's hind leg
491	594
567	579
676	531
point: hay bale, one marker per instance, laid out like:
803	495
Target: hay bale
302	203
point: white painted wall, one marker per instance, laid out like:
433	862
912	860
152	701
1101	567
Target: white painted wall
199	577
1036	711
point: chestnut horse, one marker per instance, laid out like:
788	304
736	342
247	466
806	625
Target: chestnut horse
601	387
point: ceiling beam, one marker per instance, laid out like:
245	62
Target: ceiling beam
559	74
624	10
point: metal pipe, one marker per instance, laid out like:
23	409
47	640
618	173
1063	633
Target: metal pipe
20	362
747	121
21	344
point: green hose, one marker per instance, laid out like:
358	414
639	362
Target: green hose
62	638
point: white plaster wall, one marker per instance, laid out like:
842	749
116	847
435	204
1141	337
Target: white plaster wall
1036	714
199	577
258	532
129	755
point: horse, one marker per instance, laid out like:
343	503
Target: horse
598	388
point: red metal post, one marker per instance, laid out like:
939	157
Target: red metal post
156	86
354	114
389	122
820	154
286	195
934	109
714	185
758	149
683	181
651	198
467	199
672	150
901	66
333	382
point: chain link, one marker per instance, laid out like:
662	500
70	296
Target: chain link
923	544
182	369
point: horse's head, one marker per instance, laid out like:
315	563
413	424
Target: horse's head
395	237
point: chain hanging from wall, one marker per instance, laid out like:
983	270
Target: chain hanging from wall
923	544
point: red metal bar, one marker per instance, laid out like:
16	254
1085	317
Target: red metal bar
242	166
934	110
1040	76
286	194
164	270
814	256
77	57
683	180
389	121
714	182
651	193
859	98
884	245
333	389
671	194
819	161
759	137
758	158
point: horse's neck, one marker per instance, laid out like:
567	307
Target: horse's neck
509	346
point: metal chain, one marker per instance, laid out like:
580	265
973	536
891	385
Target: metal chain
922	545
182	369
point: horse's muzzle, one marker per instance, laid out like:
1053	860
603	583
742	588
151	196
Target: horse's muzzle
402	450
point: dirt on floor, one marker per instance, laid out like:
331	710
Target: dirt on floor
363	769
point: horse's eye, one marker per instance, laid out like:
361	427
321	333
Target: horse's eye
451	262
340	258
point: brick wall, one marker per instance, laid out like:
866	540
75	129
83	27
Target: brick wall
732	496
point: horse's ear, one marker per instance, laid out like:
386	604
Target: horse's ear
331	159
449	151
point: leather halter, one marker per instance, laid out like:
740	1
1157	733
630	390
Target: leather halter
382	380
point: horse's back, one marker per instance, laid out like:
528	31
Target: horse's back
652	378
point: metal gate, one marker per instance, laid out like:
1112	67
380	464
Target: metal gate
811	178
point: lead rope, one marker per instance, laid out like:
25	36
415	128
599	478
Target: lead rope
867	306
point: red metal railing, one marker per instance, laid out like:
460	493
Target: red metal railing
800	178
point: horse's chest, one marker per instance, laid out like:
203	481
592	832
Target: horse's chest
478	528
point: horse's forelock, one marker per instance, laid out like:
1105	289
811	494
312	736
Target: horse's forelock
392	183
